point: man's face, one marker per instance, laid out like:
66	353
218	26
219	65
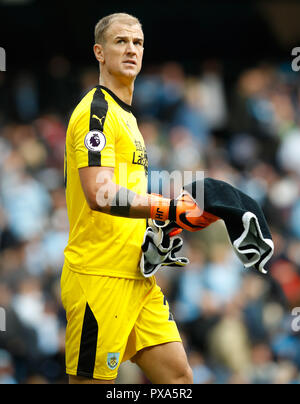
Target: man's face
122	52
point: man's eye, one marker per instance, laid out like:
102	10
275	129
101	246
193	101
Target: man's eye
121	41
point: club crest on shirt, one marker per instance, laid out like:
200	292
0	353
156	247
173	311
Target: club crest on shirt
95	141
113	360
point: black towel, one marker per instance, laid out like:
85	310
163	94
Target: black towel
244	219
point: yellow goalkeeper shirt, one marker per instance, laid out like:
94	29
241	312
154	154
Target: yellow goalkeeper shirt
103	132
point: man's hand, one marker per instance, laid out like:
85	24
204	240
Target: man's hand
184	211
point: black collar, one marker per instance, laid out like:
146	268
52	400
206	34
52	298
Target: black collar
122	104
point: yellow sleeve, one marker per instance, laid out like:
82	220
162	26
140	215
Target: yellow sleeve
94	139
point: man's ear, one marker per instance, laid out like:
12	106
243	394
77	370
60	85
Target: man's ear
98	51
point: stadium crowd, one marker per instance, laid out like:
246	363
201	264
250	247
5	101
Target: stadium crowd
236	324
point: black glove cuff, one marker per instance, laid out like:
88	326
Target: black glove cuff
172	211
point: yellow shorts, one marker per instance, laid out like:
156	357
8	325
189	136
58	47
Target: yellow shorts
109	320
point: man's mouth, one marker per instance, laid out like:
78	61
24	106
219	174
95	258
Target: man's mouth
130	62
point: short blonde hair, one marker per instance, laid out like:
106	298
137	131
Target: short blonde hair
105	22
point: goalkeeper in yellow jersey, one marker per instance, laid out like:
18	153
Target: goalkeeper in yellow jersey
113	312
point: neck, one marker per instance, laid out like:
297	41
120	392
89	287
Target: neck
124	91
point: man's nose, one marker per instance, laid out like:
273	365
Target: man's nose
131	48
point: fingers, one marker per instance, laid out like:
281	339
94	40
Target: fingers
187	213
190	217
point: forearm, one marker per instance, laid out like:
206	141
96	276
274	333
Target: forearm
119	201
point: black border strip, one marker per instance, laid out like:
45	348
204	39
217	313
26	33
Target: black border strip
88	345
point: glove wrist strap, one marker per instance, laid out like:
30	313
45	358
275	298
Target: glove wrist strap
160	208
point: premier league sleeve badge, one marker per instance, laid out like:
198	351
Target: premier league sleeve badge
95	141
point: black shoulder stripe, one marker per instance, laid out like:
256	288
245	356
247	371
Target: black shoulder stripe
99	108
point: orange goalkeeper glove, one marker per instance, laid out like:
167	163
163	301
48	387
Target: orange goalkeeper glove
183	211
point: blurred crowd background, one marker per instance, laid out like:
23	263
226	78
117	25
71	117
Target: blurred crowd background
236	324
